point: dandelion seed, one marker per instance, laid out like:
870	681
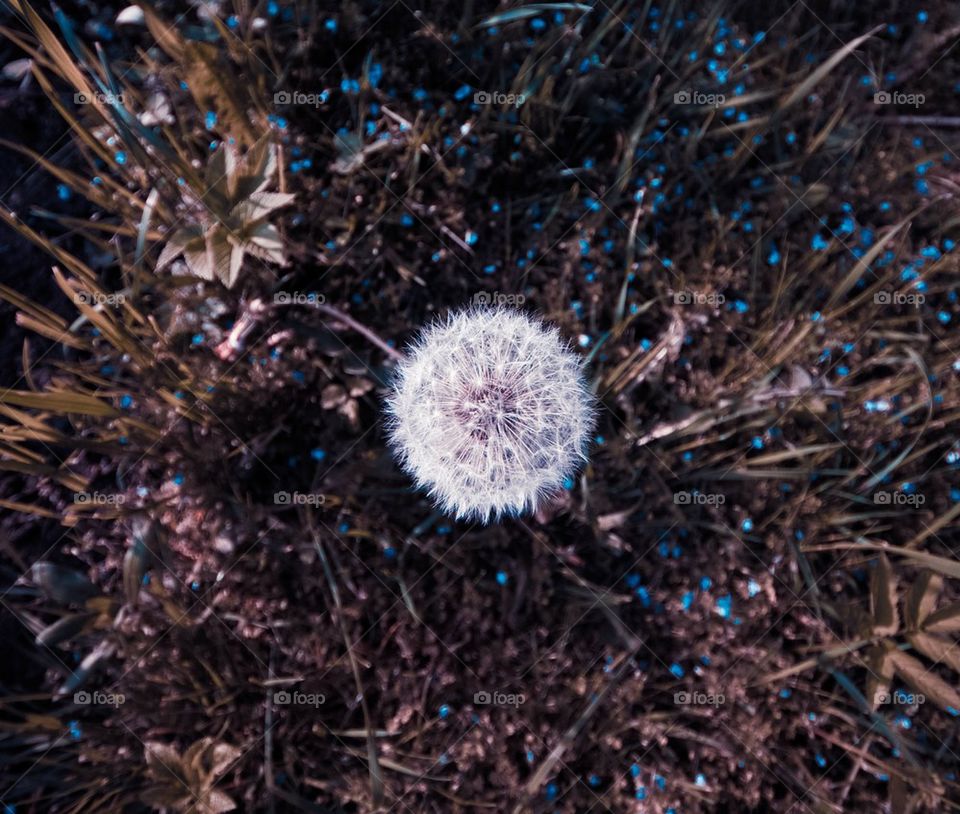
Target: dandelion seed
490	413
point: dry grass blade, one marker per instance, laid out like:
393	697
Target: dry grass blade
816	77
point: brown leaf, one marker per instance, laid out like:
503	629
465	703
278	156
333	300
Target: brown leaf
883	598
265	243
217	802
333	395
359	386
938	650
256	169
879	673
209	759
220	169
924	681
945	620
180	241
921	599
236	261
167	796
222	757
199	264
163	761
259	205
219	252
267	237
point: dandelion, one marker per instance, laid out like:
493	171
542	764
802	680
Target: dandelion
490	412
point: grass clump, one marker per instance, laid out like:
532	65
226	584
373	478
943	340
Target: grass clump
744	228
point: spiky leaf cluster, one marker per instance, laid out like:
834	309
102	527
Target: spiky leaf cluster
233	216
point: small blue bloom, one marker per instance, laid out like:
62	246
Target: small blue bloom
724	605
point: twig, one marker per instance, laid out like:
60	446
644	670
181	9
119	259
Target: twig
350	322
925	121
373	762
268	735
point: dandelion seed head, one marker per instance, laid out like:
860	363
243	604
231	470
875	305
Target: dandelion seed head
490	412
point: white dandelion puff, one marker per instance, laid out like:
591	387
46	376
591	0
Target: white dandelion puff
490	412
